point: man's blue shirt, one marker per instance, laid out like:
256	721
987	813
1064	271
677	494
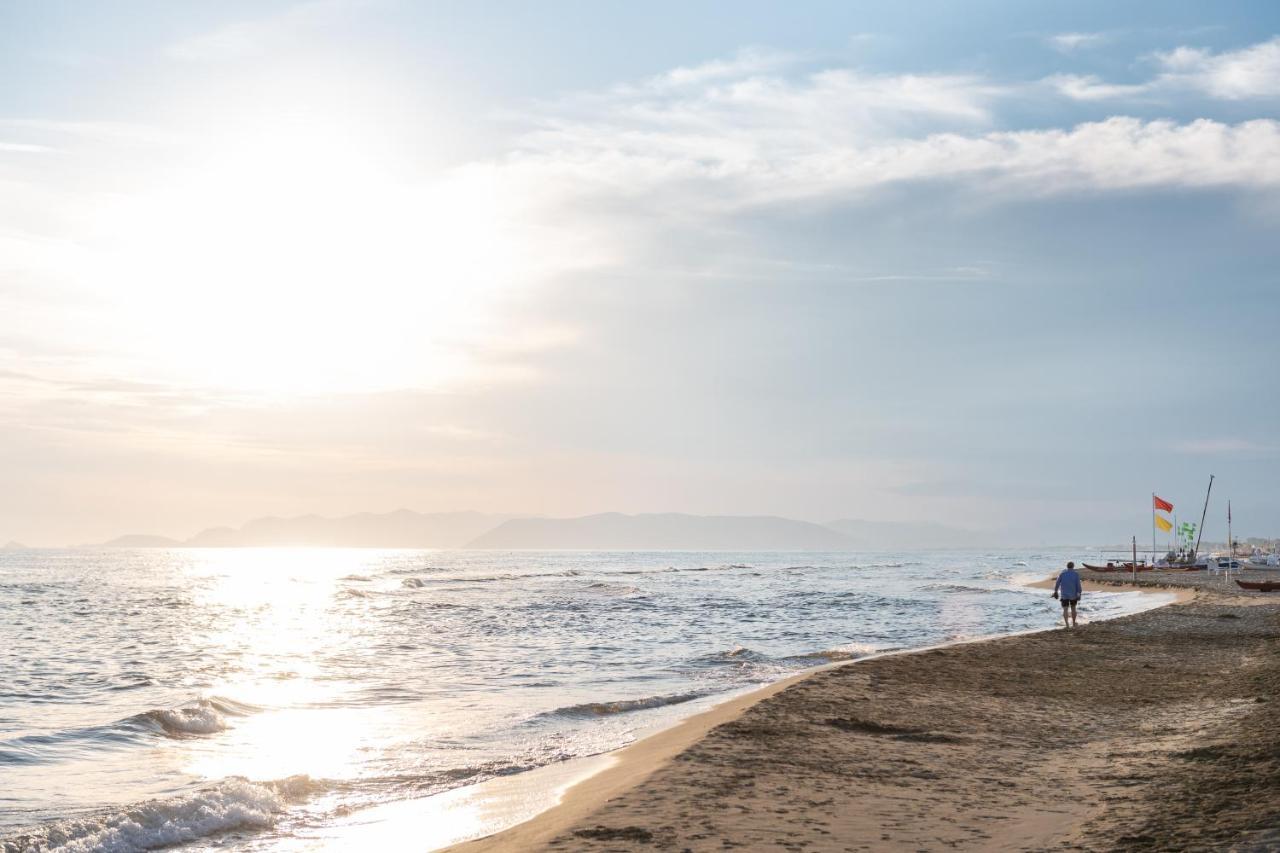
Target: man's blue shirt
1068	585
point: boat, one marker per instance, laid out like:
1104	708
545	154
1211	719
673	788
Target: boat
1119	567
1263	563
1260	586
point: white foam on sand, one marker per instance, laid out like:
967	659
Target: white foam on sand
451	817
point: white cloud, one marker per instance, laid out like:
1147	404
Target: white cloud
1071	42
123	133
1090	87
838	135
732	135
246	38
1251	72
23	148
1220	446
746	62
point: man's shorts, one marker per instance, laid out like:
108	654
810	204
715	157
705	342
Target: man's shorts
1069	602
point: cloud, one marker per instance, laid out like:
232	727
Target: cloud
1071	42
749	131
746	62
256	36
1248	73
1090	87
719	161
124	133
23	148
1251	72
1219	446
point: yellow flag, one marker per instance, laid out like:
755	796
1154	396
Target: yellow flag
1163	523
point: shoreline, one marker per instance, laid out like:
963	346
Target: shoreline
1152	731
631	765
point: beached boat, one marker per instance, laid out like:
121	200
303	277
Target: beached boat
1118	567
1260	586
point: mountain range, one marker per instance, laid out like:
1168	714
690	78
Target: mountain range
605	531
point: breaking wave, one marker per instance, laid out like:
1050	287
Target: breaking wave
849	651
622	706
201	717
956	587
231	804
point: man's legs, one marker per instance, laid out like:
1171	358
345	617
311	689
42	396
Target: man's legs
1073	614
1066	623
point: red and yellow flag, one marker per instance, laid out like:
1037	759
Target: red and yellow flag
1161	503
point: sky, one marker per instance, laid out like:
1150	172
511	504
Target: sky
1004	266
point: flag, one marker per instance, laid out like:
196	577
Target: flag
1163	523
1187	530
1161	503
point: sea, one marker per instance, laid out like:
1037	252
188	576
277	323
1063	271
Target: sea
292	699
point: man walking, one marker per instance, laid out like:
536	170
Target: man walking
1068	584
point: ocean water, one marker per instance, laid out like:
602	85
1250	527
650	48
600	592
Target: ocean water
245	699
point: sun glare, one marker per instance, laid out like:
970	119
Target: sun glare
293	260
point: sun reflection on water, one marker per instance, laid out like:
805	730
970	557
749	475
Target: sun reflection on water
288	639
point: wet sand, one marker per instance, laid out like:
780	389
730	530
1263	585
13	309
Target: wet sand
1156	731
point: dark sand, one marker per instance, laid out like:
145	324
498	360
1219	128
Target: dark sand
1159	731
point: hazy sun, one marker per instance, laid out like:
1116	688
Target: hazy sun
294	260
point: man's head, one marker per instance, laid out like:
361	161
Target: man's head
1070	564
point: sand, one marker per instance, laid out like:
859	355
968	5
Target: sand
1151	732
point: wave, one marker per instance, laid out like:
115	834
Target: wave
956	587
589	710
201	717
603	588
231	804
849	651
737	655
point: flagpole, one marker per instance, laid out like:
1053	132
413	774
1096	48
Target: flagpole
1153	528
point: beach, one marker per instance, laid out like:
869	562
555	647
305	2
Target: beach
1153	731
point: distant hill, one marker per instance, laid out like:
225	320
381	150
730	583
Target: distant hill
606	531
13	545
400	529
659	532
141	540
904	535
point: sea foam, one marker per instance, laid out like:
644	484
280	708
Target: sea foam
230	804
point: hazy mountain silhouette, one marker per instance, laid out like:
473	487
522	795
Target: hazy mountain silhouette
900	535
142	540
13	545
606	531
664	531
400	529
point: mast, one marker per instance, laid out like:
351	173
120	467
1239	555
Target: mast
1153	528
1203	512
